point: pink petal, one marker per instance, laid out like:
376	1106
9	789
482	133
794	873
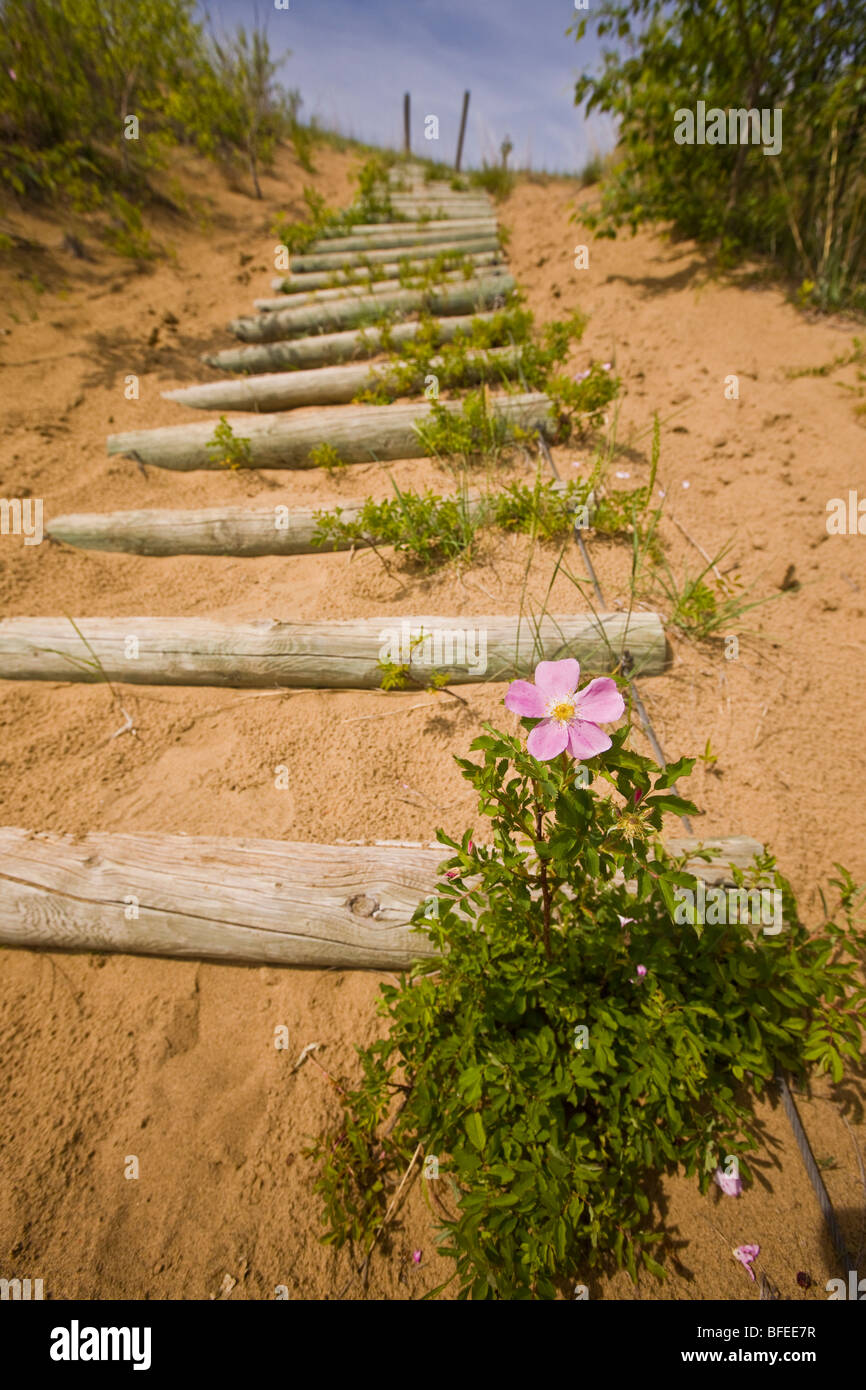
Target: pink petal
746	1254
524	698
731	1186
600	701
623	921
585	740
641	970
547	739
557	679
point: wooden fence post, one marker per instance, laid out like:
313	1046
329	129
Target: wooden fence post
407	139
462	131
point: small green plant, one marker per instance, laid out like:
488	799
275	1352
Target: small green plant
626	513
325	456
372	205
229	449
432	531
472	434
709	758
546	509
401	676
584	1031
701	607
126	233
592	171
493	178
580	403
468	358
436	172
843	359
429	276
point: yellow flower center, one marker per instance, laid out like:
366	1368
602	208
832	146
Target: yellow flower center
630	825
564	711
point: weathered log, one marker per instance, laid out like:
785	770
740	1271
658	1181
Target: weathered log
239	531
293	291
327	385
404	240
325	655
433	195
271	902
346	313
380	233
334	279
442	209
335	260
358	433
321	348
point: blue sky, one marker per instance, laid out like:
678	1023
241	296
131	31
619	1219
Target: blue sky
353	59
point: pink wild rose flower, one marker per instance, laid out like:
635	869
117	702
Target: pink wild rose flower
569	717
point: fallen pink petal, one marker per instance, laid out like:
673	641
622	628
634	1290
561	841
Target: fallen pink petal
416	1257
730	1185
569	717
747	1254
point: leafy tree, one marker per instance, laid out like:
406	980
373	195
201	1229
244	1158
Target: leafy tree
250	114
76	72
73	71
804	207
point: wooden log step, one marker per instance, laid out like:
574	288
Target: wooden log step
348	312
339	655
405	239
239	531
325	386
441	209
269	902
358	433
334	260
293	291
357	279
322	348
409	228
425	193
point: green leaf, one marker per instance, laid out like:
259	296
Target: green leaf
653	1266
675	805
475	1129
683	767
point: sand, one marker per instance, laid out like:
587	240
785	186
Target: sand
108	1057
